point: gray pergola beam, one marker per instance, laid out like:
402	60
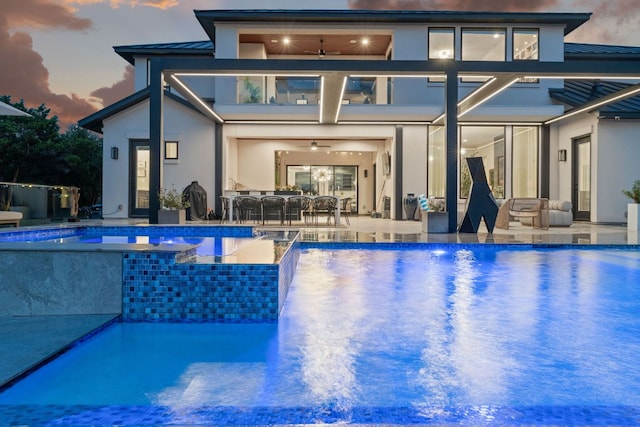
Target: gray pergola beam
450	68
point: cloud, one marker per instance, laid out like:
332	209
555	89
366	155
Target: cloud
42	14
160	4
26	77
612	22
117	91
470	5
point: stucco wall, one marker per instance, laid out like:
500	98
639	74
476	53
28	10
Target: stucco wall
617	153
195	135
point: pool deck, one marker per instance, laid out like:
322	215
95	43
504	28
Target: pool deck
27	341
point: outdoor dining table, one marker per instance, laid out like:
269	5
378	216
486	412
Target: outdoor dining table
231	198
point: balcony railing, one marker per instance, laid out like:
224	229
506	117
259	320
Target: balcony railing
289	90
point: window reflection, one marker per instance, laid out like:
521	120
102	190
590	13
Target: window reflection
486	142
436	168
324	180
525	45
525	162
483	45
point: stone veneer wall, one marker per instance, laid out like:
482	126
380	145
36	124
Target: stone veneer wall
36	283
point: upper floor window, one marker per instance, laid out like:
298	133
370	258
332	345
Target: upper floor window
483	44
441	43
525	45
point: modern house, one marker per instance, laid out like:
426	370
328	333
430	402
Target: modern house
374	105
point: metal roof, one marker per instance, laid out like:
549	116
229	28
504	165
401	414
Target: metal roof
580	92
208	18
599	51
196	48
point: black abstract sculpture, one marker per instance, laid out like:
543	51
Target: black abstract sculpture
481	203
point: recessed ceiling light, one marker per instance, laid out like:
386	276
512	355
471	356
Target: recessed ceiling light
353	41
274	41
365	41
286	40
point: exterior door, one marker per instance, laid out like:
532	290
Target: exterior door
139	178
581	178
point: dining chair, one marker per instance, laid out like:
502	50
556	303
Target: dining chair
249	208
345	208
225	209
324	205
273	205
298	205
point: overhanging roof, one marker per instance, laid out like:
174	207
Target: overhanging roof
577	93
581	51
196	48
208	18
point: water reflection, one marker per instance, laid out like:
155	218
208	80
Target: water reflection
329	348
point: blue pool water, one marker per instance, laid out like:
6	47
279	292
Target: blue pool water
473	336
206	246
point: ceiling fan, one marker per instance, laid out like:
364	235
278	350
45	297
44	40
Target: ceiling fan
314	146
321	52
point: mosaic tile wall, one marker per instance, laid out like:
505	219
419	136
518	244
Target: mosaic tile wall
158	288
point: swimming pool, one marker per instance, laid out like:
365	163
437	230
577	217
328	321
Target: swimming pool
438	335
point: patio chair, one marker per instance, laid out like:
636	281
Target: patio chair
326	205
298	205
249	208
225	209
345	208
272	205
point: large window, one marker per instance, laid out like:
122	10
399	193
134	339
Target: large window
486	142
436	166
324	180
525	162
483	44
525	45
441	43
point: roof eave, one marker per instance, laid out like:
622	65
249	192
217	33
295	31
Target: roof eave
94	122
129	54
208	18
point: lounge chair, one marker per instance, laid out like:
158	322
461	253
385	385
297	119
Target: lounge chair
10	218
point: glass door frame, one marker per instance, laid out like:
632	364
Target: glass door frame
135	169
577	180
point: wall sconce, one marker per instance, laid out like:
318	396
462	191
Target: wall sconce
114	153
562	155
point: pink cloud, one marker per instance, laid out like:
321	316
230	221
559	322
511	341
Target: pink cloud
117	91
42	14
160	4
27	77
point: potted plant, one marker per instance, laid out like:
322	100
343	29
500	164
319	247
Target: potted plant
633	209
434	218
172	207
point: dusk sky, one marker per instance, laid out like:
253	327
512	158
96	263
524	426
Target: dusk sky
60	52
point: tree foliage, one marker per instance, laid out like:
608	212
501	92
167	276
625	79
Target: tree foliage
32	150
